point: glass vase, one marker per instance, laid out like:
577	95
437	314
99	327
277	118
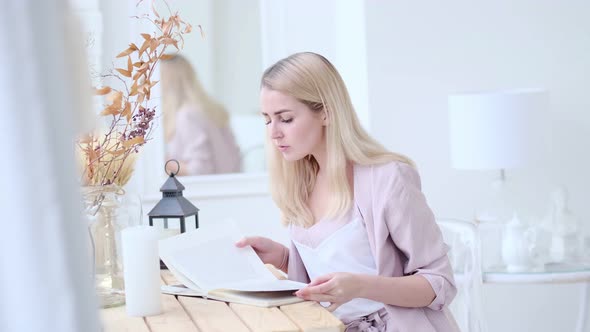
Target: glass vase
103	205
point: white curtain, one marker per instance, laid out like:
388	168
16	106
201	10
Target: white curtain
46	282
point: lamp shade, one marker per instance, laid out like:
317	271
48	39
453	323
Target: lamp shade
498	130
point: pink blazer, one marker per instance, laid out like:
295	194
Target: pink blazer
404	239
204	147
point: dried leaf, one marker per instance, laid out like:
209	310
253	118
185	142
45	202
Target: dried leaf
145	88
126	52
146	36
138	73
129	64
127	111
115	97
167	41
138	64
167	56
85	139
123	72
202	32
188	28
102	91
154	44
133	91
167	27
133	141
144	46
111	110
154	10
118	152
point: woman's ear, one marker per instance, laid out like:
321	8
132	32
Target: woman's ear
326	118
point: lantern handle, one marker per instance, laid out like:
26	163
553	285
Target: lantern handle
177	167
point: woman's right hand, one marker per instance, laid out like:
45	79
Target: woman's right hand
269	251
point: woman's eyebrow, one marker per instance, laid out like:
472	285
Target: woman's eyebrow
277	112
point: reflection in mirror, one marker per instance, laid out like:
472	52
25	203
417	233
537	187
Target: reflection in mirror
196	127
211	121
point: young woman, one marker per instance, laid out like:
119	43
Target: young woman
363	236
196	128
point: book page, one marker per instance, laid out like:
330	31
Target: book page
208	257
260	299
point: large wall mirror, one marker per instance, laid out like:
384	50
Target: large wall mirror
218	75
226	58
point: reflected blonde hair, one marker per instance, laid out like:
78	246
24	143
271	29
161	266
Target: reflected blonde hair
181	88
314	81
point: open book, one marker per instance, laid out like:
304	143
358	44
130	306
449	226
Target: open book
207	263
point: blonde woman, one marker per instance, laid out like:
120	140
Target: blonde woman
196	127
362	234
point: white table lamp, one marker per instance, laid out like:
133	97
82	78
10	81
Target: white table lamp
497	131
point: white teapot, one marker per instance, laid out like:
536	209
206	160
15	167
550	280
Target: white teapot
518	241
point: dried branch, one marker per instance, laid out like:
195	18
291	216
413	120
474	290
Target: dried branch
108	157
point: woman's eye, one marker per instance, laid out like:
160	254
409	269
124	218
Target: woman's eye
287	120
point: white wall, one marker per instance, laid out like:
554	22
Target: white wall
418	53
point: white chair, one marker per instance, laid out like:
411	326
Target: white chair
463	239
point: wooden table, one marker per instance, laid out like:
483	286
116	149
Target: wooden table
198	314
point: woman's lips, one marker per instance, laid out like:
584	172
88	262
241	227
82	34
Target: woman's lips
283	148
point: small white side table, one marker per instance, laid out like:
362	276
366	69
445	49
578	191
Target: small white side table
552	273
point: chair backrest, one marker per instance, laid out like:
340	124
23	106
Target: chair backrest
465	254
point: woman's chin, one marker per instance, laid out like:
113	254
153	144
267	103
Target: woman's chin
289	156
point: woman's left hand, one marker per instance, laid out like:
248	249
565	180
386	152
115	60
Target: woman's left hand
336	288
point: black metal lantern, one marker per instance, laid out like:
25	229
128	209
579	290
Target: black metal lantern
173	205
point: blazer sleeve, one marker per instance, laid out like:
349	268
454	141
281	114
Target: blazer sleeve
415	233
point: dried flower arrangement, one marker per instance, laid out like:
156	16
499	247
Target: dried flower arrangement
108	157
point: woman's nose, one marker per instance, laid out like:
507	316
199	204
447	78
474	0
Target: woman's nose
275	131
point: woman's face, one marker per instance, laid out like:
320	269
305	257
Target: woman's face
294	129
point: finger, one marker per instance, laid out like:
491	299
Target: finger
241	243
321	279
319	289
252	241
333	306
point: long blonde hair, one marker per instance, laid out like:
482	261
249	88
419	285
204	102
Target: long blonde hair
181	88
314	81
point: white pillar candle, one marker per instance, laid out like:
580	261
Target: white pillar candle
141	269
168	232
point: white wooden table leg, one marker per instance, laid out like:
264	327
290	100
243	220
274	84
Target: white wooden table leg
583	314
